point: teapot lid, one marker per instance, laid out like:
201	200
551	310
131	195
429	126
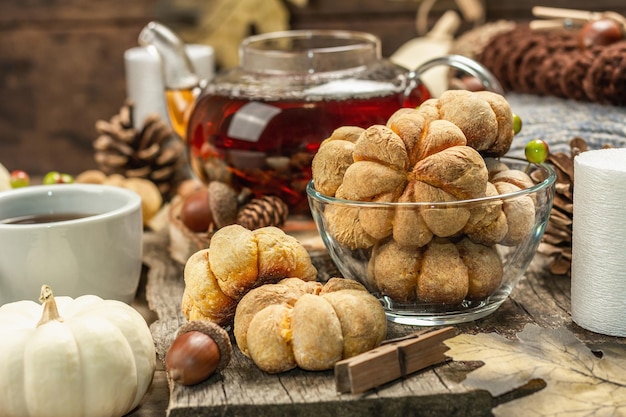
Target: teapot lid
308	51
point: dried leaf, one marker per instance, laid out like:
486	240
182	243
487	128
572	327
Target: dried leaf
561	265
564	163
548	249
577	145
579	381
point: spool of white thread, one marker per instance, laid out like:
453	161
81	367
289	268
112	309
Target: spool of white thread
144	78
599	241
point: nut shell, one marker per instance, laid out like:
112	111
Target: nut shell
192	358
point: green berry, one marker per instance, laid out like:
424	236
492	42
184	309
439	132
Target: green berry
19	179
517	124
66	179
536	151
55	177
51	177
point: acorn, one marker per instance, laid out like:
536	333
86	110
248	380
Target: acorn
201	349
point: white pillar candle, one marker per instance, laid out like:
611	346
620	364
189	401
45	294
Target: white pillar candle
599	241
144	78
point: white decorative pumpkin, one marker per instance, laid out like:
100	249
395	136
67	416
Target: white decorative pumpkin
83	357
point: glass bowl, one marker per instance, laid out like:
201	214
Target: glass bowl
458	276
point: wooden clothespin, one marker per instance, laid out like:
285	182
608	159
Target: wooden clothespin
393	359
569	18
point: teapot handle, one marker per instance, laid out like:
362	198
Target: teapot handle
465	64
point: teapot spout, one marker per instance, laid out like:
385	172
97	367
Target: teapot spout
182	85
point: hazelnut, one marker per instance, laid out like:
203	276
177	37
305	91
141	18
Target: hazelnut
200	349
600	32
195	212
208	208
151	198
91	176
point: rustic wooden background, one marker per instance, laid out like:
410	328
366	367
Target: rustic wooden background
62	69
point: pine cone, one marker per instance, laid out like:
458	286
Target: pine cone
557	239
153	152
268	210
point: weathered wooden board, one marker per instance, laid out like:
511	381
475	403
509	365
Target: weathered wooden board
244	390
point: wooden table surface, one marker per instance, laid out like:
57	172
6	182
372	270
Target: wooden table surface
243	390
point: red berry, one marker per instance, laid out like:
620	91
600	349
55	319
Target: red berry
19	178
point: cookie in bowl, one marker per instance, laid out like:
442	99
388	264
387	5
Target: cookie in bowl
429	214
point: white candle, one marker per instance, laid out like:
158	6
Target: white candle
599	241
144	78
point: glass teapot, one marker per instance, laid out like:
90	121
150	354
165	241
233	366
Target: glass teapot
259	125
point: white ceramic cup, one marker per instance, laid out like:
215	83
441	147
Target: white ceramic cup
99	254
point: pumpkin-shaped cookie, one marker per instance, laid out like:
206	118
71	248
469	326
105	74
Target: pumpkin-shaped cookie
430	245
433	154
294	323
236	261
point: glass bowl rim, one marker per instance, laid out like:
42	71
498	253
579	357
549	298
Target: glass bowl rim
547	182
